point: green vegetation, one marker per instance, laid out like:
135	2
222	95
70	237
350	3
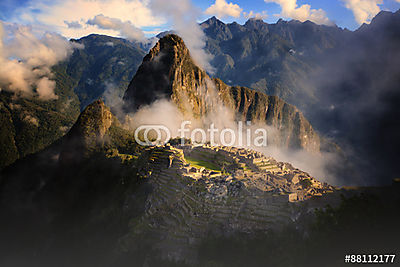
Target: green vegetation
8	149
105	62
198	163
30	124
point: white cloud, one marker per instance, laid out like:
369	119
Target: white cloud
125	28
45	88
73	24
364	10
223	9
182	15
290	9
252	14
26	60
55	15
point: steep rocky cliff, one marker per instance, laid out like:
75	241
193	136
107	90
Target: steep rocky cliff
168	71
95	128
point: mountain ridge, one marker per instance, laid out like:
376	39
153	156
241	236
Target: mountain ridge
120	204
96	130
273	58
168	71
115	194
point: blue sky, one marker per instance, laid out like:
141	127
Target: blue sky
70	17
334	8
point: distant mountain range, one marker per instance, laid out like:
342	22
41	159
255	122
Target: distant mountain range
97	198
272	58
344	82
76	189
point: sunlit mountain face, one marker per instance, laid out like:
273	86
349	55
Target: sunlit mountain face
133	135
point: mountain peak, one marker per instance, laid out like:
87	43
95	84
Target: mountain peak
213	20
256	24
384	17
384	21
167	42
281	21
170	44
254	19
89	132
95	119
93	123
156	76
168	72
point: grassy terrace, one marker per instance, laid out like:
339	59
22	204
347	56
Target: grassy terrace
198	163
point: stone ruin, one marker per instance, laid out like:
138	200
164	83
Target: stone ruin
253	170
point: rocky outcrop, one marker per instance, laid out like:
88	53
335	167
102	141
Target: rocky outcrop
168	71
96	127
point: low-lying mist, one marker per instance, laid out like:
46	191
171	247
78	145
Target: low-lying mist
220	126
358	93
